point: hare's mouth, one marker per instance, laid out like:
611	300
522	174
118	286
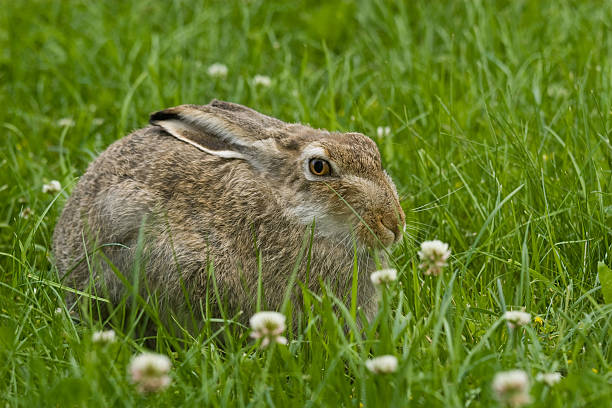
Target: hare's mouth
380	232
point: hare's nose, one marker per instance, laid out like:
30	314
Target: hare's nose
390	230
394	223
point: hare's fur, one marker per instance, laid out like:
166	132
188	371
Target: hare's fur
223	189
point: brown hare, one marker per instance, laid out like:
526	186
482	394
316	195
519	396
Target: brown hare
226	189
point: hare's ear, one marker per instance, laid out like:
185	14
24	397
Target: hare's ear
199	129
223	129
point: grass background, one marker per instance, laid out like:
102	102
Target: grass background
500	145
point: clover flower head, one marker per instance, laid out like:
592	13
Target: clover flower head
512	388
52	187
149	371
517	318
65	122
383	131
217	70
549	379
385	364
26	213
383	276
262	80
433	255
104	337
268	326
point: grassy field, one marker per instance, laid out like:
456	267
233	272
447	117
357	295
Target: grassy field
499	117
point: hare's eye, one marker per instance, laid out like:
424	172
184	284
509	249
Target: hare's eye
319	167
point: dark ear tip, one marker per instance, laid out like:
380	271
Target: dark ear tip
162	115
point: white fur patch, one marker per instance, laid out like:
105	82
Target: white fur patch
325	225
313	150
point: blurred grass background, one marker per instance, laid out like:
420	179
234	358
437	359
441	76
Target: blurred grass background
499	143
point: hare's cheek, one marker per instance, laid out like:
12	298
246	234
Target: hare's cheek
305	213
327	224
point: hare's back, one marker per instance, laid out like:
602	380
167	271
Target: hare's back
135	179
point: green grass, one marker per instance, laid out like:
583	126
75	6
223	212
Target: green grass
500	116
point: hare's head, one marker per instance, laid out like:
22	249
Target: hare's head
333	179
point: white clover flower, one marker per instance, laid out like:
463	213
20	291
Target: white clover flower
59	311
262	80
512	388
517	318
104	337
549	379
383	276
433	256
217	70
26	213
383	131
382	365
149	371
556	91
268	326
52	187
65	122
